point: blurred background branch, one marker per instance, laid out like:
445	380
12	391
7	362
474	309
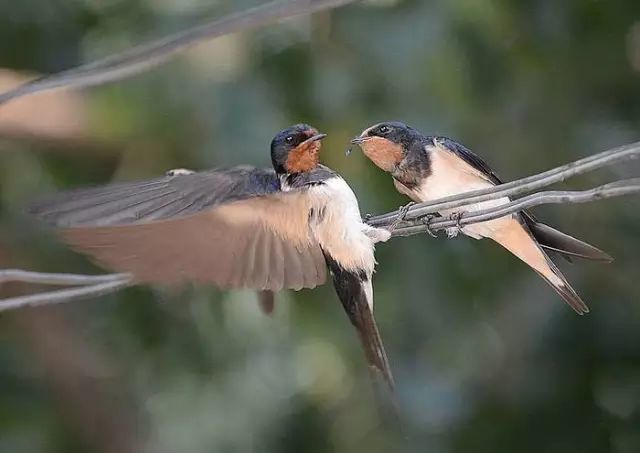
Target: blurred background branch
147	56
16	275
84	291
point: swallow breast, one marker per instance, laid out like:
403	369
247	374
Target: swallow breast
451	175
340	230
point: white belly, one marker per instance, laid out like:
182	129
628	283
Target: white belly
340	230
452	176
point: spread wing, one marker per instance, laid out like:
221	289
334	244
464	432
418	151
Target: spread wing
233	228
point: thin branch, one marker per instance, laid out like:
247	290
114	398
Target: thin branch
524	185
65	295
17	275
147	56
614	189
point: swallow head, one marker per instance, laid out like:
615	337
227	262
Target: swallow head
296	149
386	144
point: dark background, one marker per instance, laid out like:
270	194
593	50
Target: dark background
486	356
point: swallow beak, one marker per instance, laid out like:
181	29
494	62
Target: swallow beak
313	138
356	141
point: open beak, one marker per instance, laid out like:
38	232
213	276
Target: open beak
313	138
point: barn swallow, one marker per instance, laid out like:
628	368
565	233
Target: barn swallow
243	227
427	168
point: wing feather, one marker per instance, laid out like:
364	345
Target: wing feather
471	158
293	267
233	228
276	263
548	237
157	199
262	268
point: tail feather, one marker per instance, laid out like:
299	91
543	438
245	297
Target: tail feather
517	238
566	291
355	292
563	244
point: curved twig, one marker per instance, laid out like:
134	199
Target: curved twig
146	56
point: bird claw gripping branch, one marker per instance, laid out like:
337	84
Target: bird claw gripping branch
402	214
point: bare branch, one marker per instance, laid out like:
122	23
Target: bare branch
17	275
524	185
614	189
66	295
147	56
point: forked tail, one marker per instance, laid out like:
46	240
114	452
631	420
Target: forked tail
517	238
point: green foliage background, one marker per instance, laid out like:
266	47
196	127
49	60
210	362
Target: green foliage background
487	358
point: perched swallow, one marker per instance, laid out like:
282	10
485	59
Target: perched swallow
426	168
242	227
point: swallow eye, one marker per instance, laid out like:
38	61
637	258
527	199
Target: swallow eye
383	129
289	139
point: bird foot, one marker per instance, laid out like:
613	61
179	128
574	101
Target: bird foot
402	213
426	220
453	232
